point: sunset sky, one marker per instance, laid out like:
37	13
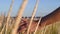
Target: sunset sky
44	7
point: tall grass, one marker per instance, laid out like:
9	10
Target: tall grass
7	26
1	23
33	14
8	17
37	25
19	16
51	29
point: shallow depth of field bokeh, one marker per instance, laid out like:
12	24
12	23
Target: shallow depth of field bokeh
30	18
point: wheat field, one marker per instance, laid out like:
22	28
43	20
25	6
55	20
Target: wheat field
8	25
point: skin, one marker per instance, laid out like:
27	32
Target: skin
46	20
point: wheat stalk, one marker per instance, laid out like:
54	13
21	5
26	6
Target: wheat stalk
33	14
19	16
2	30
8	17
2	15
37	25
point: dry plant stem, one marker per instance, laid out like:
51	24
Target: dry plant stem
2	23
33	14
8	16
44	29
2	18
37	26
2	30
19	16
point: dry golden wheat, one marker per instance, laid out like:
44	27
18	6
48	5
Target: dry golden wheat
37	25
33	14
19	16
8	16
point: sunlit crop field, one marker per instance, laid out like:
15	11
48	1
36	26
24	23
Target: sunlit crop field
49	29
10	25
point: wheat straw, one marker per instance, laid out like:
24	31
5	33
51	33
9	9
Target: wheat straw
33	14
37	25
2	23
2	30
19	16
1	17
8	17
